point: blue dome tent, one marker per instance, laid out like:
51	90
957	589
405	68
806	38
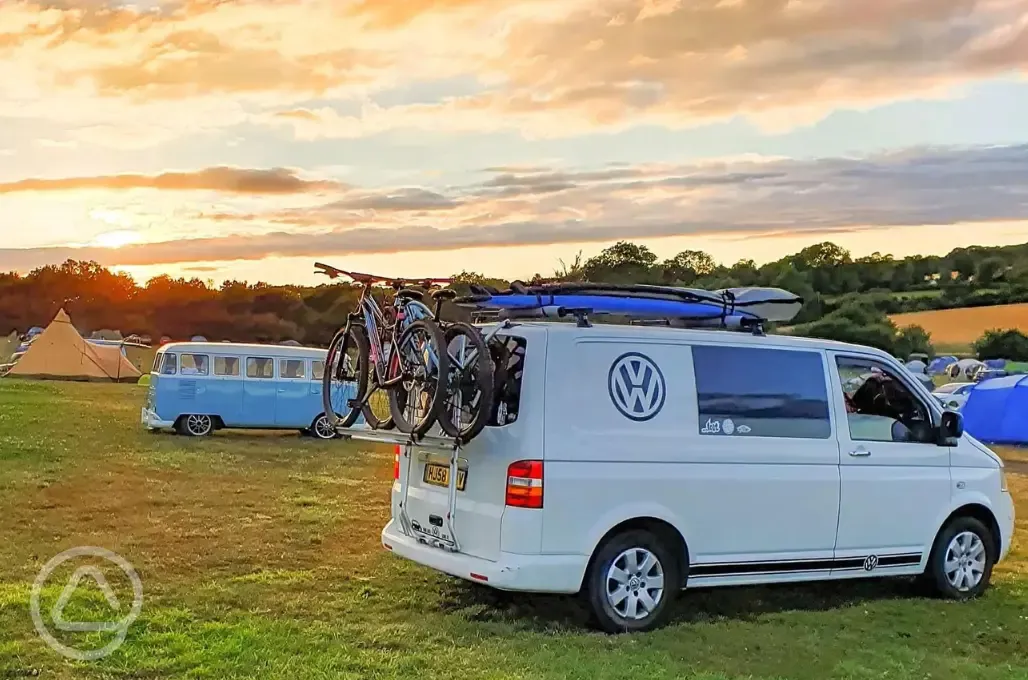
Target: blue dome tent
940	364
996	411
996	363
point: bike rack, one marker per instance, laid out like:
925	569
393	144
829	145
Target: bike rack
409	443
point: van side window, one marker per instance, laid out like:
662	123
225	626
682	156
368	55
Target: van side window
170	365
291	368
755	392
193	364
260	367
226	366
879	406
317	370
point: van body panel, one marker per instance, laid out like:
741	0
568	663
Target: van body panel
480	507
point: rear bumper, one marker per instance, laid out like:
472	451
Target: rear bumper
151	420
527	573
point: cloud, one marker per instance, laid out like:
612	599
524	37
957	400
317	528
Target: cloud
223	179
927	186
314	68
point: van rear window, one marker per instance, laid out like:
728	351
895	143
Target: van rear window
757	392
509	359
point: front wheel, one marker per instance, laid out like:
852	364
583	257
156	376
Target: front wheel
960	565
468	398
632	582
195	425
346	375
420	357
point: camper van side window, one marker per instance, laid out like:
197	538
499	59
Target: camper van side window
757	392
226	366
170	364
194	364
291	369
259	367
317	370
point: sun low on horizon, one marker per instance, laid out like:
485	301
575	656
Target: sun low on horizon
241	139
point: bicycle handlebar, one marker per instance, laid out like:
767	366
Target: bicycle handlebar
369	279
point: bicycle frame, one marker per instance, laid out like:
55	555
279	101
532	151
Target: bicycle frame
375	322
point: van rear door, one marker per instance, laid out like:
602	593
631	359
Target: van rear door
480	501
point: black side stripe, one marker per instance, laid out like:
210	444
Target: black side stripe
790	566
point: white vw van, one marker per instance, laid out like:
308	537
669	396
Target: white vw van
628	463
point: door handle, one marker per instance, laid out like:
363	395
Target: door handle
860	453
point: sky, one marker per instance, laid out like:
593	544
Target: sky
247	139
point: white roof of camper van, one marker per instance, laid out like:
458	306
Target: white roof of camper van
691	335
244	349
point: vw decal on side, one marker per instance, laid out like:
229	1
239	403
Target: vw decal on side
636	386
870	562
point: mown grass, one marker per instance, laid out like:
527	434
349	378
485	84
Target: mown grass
260	558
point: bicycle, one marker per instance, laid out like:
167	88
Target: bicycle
403	355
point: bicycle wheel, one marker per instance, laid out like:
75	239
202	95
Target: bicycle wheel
346	375
468	398
377	413
420	357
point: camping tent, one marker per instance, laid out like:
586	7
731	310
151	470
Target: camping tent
916	366
965	368
940	364
996	363
997	410
59	352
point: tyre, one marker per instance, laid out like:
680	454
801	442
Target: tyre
632	582
322	428
960	564
346	375
195	425
420	356
468	399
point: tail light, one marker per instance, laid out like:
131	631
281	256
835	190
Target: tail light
396	462
525	484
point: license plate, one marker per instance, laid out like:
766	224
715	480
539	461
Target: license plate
439	475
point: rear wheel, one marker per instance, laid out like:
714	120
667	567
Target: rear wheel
346	375
420	357
468	398
322	428
632	582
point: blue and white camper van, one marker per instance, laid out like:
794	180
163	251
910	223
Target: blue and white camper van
199	387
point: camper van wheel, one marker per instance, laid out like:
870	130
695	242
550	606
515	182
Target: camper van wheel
960	564
323	428
632	582
195	425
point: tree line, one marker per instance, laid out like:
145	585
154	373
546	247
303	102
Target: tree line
845	297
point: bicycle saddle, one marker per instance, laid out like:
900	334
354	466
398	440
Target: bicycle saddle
444	294
410	294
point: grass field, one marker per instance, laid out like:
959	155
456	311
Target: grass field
260	558
961	327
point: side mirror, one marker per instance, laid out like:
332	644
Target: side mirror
952	425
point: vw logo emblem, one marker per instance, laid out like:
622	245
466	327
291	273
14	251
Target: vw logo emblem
870	562
636	386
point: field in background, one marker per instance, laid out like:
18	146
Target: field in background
260	557
960	327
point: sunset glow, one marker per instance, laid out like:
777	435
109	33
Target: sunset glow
245	139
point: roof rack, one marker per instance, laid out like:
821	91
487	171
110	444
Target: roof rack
732	308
